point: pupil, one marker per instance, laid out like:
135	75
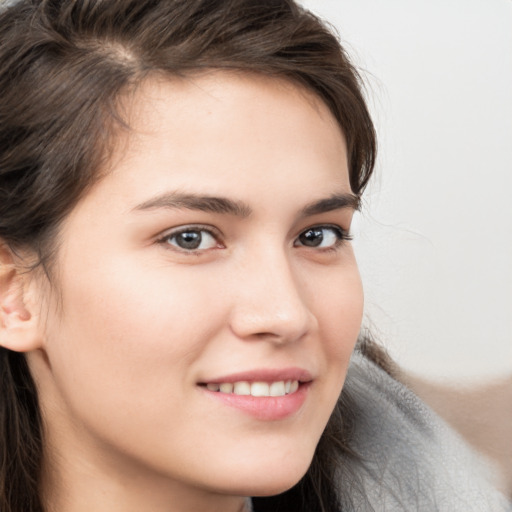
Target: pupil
189	240
312	237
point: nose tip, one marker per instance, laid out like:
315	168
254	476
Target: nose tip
278	325
273	307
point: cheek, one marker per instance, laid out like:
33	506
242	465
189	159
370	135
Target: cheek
123	351
340	315
340	309
123	327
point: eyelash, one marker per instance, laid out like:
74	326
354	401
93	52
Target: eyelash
341	236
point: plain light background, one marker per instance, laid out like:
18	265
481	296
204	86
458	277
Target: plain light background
434	241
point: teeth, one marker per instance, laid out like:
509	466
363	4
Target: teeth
279	388
242	388
260	389
226	387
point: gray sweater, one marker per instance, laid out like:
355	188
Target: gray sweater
413	460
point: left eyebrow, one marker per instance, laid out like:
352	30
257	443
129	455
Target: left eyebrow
334	202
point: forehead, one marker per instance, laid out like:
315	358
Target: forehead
251	117
203	95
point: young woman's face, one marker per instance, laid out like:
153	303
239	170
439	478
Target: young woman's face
210	265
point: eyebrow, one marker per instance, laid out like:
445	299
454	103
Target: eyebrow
212	204
334	202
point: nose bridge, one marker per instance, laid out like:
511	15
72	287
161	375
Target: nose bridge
271	301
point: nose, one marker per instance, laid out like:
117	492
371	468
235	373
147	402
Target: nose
270	300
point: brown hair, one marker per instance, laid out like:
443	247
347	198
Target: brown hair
63	65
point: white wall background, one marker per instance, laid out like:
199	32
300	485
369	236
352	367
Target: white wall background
435	239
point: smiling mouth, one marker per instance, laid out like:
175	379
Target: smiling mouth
266	395
257	389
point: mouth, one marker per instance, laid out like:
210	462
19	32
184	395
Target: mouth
263	394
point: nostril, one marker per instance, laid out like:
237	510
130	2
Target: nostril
264	335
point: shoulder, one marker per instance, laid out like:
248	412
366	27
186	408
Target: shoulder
409	458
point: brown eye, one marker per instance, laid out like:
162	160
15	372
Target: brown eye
323	237
312	237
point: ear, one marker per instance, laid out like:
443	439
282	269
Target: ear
19	323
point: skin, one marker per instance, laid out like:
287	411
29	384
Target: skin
137	322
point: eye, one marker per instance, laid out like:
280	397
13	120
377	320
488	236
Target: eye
191	239
322	237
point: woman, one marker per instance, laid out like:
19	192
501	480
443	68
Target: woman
180	300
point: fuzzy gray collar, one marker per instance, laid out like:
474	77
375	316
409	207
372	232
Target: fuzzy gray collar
413	460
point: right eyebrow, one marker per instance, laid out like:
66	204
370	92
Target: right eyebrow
212	204
334	202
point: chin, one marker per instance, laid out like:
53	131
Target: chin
270	487
270	479
274	488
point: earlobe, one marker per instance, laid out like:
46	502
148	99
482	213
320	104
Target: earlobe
19	326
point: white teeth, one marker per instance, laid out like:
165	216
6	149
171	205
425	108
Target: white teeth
242	388
260	389
278	388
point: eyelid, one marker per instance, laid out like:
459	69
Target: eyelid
164	236
343	234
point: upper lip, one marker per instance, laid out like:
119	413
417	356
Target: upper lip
263	375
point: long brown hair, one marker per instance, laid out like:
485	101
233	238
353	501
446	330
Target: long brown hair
63	65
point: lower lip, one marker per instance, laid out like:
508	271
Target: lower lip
266	408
